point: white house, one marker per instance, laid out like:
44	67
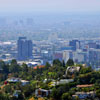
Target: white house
72	69
42	92
24	82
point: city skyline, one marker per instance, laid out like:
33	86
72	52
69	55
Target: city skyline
49	50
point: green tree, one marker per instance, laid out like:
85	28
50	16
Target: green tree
85	70
63	63
55	94
24	67
8	89
4	67
28	90
57	62
66	96
14	62
47	65
14	67
70	62
98	93
4	97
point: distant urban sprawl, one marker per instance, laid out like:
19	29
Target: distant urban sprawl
39	52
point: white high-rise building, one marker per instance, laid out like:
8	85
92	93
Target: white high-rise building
67	54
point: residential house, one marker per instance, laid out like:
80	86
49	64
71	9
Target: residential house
24	82
84	95
42	92
13	80
72	69
64	81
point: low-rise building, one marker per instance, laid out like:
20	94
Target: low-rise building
13	80
42	92
83	95
64	81
84	86
40	66
24	82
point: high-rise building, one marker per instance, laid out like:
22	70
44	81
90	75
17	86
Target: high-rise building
80	57
75	44
67	54
94	57
24	48
92	45
58	55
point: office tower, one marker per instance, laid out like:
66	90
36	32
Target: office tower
75	44
58	55
24	48
92	45
94	57
80	57
67	54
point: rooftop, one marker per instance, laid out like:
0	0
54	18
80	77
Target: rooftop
83	86
41	66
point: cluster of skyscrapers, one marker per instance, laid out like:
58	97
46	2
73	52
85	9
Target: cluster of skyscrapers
39	52
82	52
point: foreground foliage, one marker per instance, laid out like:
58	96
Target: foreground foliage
86	75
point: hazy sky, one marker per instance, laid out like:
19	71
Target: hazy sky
49	5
